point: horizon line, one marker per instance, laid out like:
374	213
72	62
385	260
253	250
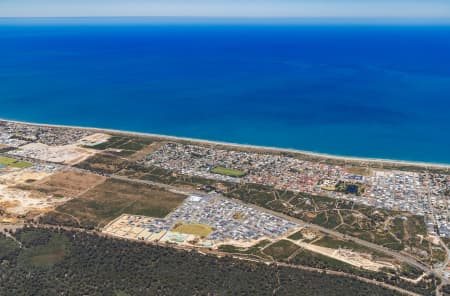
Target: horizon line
276	19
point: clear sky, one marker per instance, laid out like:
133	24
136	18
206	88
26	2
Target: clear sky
394	9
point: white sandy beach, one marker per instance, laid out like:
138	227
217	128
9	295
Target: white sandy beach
245	146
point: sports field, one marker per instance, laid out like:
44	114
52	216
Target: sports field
14	163
195	229
228	172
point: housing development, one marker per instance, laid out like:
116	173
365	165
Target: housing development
419	193
207	220
361	217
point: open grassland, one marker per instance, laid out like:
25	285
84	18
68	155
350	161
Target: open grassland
195	229
296	236
42	249
228	172
281	250
254	251
103	163
7	160
14	163
68	183
112	198
126	145
332	243
309	258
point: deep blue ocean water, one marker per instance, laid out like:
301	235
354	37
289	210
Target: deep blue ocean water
361	90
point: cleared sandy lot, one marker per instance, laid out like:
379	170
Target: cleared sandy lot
67	183
29	193
28	175
15	201
354	258
70	154
94	139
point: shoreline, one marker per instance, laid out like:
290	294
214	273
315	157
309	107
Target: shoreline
245	146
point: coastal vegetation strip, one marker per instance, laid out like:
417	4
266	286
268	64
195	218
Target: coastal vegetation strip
357	162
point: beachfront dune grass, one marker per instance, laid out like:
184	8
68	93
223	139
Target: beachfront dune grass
228	172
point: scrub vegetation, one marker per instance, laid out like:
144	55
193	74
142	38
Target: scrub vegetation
77	263
109	200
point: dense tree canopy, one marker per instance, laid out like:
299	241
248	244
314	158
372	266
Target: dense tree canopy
73	263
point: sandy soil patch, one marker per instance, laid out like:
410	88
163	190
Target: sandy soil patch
70	154
10	220
354	258
67	183
20	202
179	238
22	177
94	139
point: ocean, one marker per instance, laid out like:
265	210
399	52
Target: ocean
379	91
